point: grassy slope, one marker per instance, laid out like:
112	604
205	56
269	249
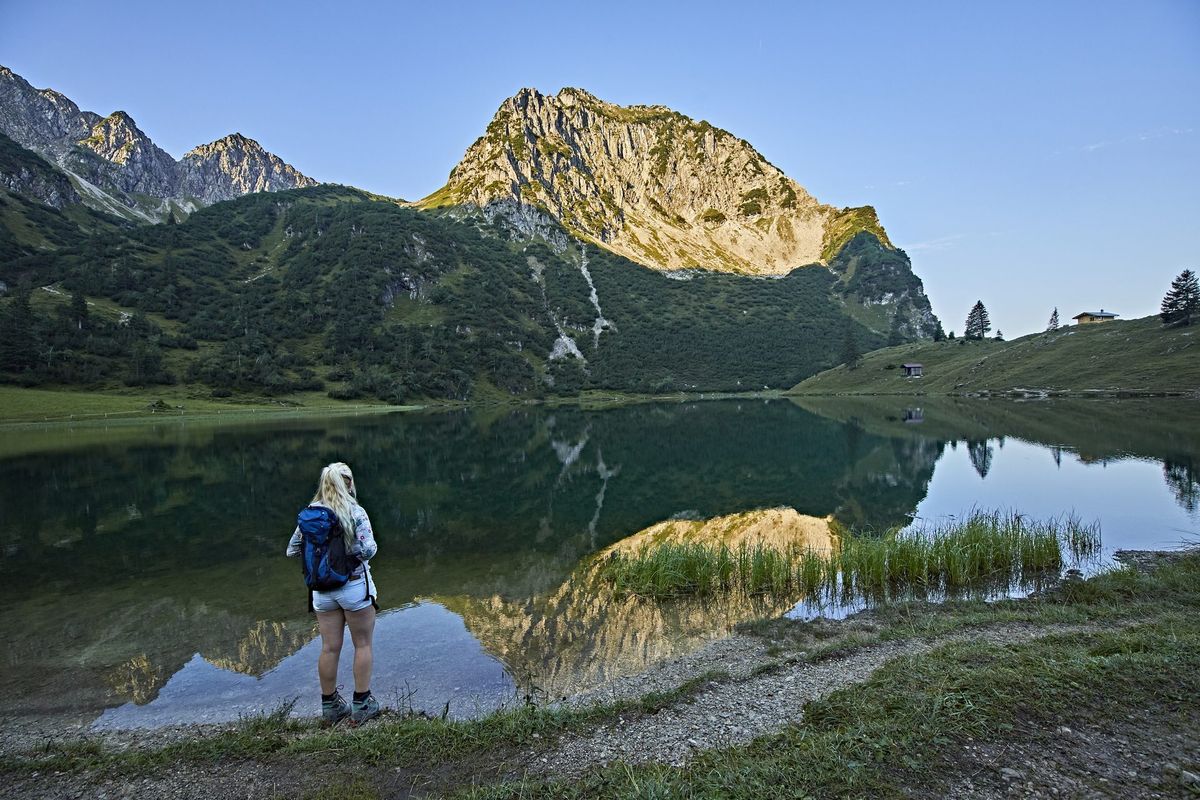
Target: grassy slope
1130	356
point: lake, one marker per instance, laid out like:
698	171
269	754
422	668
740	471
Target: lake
144	581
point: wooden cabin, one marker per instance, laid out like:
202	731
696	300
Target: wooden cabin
1089	317
912	370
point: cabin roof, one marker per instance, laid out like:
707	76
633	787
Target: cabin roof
1100	313
907	366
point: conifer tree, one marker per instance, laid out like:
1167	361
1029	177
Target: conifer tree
978	323
850	354
1052	325
1182	302
999	335
894	335
78	311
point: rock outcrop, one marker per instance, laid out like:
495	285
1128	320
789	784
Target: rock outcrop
116	168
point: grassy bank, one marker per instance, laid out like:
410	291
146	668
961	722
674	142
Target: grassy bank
1132	357
904	729
987	550
20	405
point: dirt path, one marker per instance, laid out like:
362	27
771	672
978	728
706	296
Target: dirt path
731	712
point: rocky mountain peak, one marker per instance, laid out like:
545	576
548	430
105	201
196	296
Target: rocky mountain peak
233	140
235	165
114	136
120	170
646	182
39	119
144	167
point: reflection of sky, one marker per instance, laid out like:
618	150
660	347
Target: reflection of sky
1130	498
424	649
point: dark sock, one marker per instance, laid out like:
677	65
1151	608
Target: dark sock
328	697
360	696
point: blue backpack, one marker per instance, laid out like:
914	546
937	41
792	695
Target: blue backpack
326	563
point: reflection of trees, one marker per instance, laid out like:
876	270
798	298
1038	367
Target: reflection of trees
884	484
981	456
437	485
483	507
1183	479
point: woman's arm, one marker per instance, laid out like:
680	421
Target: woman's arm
364	537
294	543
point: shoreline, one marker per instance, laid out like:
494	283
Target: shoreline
1020	394
157	407
730	693
140	408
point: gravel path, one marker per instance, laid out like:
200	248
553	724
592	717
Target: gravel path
730	712
758	693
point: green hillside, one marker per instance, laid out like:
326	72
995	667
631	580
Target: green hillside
336	291
1136	356
28	227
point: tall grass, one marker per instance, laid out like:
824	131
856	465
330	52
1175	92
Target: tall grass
984	550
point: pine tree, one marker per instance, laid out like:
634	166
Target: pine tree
894	335
850	354
999	335
1182	302
78	311
1052	325
978	323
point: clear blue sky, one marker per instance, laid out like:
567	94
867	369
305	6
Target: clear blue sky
1029	154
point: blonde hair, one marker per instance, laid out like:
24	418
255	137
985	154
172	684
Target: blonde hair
334	492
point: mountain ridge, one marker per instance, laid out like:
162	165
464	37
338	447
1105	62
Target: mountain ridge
116	168
332	289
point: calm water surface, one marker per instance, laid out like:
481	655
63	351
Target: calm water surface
144	582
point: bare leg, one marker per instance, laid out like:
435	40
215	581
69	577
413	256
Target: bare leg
332	625
362	632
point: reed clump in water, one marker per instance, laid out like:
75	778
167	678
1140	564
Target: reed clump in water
986	549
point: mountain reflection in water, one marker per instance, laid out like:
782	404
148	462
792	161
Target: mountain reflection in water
133	550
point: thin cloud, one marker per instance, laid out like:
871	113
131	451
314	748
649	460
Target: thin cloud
933	245
1145	136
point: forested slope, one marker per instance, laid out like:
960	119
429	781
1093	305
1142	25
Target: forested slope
335	290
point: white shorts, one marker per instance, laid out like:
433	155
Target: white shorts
354	596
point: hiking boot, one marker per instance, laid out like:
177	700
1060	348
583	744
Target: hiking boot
334	711
365	709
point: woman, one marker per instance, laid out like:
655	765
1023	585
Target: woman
352	604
